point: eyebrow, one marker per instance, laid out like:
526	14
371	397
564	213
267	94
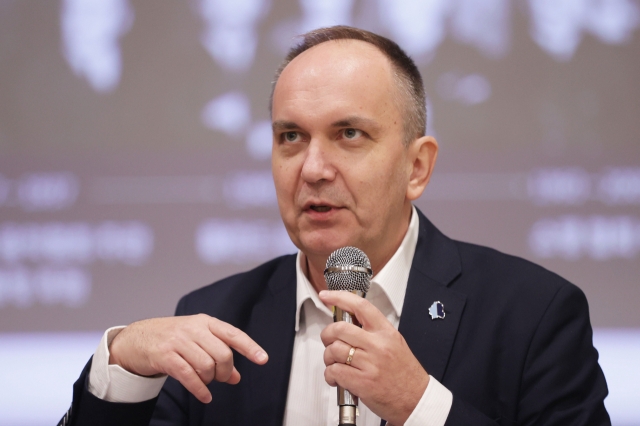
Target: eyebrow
356	121
284	125
352	121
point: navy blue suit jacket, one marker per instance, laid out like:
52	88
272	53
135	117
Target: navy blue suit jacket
515	347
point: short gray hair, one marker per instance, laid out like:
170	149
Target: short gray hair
411	89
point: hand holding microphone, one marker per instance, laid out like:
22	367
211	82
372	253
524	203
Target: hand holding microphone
348	269
372	363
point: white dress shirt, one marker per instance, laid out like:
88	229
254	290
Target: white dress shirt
310	400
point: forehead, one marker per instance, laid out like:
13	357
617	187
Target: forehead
337	77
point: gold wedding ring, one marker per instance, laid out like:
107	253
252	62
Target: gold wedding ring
350	357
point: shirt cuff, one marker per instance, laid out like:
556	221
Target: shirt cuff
113	383
434	406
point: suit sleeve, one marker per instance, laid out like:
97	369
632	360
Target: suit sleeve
561	383
89	410
462	414
167	409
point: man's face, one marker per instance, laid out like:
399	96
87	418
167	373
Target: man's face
339	164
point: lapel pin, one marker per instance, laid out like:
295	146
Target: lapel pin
436	310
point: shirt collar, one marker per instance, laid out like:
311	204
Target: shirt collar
390	282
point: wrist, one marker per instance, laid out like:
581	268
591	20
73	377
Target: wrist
412	399
117	352
113	349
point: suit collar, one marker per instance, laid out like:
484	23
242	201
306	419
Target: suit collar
392	279
436	264
436	255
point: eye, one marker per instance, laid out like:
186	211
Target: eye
291	136
351	133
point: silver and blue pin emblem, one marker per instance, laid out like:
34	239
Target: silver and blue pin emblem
436	310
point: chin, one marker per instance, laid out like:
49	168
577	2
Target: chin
322	243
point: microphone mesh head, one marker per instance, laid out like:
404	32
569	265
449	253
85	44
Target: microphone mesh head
349	280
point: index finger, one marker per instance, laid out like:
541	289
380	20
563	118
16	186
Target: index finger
238	340
368	315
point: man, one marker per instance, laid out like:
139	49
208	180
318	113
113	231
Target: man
452	333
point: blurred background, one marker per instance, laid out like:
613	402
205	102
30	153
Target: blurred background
135	149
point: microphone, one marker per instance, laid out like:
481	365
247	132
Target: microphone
348	269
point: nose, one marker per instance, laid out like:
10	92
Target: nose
317	164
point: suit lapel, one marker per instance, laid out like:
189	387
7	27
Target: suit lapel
436	264
272	325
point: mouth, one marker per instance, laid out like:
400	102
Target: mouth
320	208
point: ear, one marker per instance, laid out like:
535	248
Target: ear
422	154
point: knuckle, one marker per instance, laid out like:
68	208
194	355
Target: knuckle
395	336
232	332
201	334
325	332
223	374
328	357
184	370
386	352
226	356
341	327
327	375
173	339
374	374
329	350
201	317
164	347
208	364
325	337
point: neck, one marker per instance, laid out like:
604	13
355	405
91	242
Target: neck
315	274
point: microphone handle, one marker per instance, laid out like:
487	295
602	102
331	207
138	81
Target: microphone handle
347	403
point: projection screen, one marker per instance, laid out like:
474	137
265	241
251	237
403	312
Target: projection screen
135	158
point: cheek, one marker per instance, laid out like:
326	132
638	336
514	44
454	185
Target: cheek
285	179
381	189
380	179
